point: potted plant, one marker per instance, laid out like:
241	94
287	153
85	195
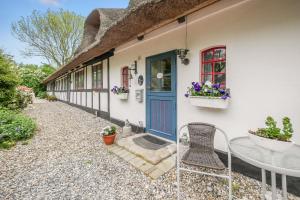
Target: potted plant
121	92
272	137
208	95
108	134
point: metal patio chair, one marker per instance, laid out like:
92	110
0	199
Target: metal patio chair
201	152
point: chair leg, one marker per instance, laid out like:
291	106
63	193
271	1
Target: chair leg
178	175
229	176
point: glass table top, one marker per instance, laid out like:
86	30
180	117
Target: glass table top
287	162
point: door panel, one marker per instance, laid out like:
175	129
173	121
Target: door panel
161	95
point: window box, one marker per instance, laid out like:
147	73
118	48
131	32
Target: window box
209	102
122	96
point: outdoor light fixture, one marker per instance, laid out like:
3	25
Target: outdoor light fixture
181	53
133	68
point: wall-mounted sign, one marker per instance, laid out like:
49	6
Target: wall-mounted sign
140	80
159	75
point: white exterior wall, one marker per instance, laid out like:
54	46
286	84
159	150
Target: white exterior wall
87	97
262	43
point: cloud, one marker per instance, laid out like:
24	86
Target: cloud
50	2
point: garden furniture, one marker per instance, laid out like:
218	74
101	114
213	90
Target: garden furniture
286	163
201	152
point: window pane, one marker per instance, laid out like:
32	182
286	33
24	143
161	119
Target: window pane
219	53
155	84
155	68
166	84
207	78
166	66
208	68
220	67
220	78
161	75
208	55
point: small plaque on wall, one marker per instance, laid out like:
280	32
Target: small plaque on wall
140	80
139	95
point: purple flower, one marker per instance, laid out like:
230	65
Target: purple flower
197	87
222	91
216	86
186	95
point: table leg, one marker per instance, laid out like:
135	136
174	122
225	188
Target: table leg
284	188
263	181
273	179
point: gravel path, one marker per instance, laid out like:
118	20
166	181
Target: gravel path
66	159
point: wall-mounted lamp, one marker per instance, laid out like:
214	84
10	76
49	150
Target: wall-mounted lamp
133	68
181	53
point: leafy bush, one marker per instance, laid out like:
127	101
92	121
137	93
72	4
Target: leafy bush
23	97
32	76
8	79
42	95
273	132
51	98
13	127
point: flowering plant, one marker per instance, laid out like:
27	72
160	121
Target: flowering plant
207	89
108	130
119	90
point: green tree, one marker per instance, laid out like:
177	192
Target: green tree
33	75
8	79
54	35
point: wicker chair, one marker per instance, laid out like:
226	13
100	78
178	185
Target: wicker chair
201	152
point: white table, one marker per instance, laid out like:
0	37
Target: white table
285	163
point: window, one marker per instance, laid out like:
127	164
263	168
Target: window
79	79
97	72
213	65
124	77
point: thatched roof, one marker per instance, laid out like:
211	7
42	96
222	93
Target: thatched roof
106	29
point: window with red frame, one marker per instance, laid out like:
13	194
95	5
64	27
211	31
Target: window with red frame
213	65
124	76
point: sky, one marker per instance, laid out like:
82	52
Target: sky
12	10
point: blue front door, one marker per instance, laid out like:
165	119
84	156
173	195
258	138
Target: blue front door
161	95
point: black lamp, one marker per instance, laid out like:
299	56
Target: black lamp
182	55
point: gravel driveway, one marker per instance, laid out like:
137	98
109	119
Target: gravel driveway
66	159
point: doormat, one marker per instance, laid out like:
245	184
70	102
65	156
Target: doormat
150	142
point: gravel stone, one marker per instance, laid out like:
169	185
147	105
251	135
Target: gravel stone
66	159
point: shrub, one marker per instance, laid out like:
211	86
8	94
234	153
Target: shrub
42	95
14	126
51	98
22	98
8	79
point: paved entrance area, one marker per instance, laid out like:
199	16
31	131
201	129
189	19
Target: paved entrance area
153	163
152	156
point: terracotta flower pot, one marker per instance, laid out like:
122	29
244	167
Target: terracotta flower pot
109	139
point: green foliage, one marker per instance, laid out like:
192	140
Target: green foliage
273	132
42	95
8	79
109	130
32	76
14	126
51	98
54	35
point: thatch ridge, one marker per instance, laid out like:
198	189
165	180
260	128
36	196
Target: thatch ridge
137	18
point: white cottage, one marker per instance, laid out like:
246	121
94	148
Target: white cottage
249	46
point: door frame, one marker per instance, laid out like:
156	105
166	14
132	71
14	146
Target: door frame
172	53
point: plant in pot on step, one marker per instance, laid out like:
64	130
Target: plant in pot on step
273	138
108	134
121	92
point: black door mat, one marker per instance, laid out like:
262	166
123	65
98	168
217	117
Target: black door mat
150	142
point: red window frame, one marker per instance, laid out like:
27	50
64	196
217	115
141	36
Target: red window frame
124	77
213	61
